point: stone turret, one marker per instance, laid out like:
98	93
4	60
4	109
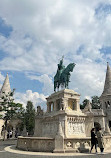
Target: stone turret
5	89
6	86
107	85
105	99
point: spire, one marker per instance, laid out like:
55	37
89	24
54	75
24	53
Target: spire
6	85
107	85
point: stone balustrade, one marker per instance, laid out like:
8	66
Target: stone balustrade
45	144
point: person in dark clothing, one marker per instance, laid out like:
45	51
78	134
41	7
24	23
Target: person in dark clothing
93	140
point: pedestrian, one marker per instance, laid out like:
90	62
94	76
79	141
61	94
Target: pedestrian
93	140
100	140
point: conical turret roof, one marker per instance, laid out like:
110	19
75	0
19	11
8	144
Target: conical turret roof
107	85
6	86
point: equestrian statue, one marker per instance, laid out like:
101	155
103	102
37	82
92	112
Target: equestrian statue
62	76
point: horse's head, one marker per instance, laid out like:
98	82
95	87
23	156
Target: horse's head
71	66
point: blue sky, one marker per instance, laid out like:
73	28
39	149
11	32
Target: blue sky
35	35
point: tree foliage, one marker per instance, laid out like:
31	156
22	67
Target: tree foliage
95	103
84	103
30	118
11	109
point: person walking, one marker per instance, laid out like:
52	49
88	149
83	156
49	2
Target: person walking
100	140
93	140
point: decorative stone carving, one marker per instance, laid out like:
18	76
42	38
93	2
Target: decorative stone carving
39	111
77	145
69	144
76	128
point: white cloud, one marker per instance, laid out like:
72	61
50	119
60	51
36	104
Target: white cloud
89	78
56	27
45	30
35	97
88	97
2	78
47	83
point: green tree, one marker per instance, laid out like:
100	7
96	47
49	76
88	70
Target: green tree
11	109
84	103
95	102
30	118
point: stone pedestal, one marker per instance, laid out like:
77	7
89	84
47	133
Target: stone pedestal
64	121
62	106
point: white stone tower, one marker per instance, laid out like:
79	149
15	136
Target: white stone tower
105	98
4	90
6	86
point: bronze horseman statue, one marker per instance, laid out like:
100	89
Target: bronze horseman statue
62	76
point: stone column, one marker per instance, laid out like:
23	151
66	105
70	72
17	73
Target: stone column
65	103
77	108
48	107
107	130
14	130
53	106
62	104
54	103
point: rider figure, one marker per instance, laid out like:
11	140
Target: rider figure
60	68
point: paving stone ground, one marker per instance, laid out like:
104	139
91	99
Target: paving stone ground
9	152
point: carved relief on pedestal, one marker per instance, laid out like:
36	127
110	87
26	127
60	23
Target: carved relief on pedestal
76	126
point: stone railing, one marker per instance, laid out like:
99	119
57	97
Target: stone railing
42	144
77	144
45	144
83	144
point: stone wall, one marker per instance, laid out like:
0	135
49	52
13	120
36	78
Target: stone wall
42	144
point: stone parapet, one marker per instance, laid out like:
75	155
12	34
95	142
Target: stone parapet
45	144
41	144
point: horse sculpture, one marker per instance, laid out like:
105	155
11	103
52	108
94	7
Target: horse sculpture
62	76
